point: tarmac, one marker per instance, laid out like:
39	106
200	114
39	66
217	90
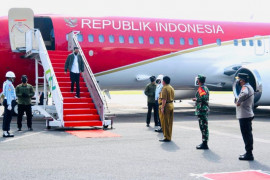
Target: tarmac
137	153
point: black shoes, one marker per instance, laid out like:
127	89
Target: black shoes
246	157
164	140
7	134
202	146
30	129
159	130
147	125
19	129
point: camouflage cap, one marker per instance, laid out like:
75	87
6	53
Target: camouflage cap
201	78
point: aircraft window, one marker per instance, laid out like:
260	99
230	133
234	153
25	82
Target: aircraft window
251	42
90	38
182	41
259	42
131	39
218	42
171	41
190	41
151	40
200	41
244	43
161	40
101	38
111	38
235	42
140	39
80	37
121	39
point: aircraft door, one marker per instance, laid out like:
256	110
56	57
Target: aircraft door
20	20
259	45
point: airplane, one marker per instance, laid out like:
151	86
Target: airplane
123	52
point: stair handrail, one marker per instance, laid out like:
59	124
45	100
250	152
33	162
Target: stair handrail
50	75
90	79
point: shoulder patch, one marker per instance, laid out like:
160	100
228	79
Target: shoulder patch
201	91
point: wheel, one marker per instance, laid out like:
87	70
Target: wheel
105	126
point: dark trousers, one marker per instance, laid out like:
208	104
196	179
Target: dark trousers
150	107
246	130
75	77
21	110
7	117
158	119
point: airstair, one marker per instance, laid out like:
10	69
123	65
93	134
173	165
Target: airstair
65	110
89	110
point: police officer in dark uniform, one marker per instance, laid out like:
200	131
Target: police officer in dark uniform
202	109
24	92
244	112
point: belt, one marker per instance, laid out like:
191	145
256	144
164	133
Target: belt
166	102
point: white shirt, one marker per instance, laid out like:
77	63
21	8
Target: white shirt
158	91
75	66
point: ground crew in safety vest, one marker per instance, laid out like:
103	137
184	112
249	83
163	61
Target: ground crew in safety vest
24	93
202	109
9	99
244	112
166	109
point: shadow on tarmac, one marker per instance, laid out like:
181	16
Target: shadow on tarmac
170	146
211	156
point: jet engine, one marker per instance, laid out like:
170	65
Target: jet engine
259	79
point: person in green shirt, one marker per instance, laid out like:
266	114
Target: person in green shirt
150	91
24	92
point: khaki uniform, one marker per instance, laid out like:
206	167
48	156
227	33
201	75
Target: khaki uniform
166	118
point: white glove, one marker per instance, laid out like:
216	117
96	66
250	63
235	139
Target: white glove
9	107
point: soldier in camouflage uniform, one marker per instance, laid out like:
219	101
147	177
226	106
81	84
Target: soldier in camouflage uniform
202	109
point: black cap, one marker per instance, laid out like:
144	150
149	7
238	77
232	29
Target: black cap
76	48
152	78
243	76
24	77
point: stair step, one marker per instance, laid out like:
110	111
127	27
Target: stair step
59	69
64	79
82	94
81	117
62	74
58	65
67	84
76	100
78	105
80	111
83	123
67	89
62	61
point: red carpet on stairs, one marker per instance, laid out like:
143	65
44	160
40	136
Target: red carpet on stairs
77	112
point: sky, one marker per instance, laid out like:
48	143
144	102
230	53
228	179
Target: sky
218	10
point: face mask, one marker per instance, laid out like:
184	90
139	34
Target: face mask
24	80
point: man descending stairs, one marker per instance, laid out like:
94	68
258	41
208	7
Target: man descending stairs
76	111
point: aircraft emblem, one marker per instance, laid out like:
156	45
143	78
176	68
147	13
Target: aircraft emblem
71	22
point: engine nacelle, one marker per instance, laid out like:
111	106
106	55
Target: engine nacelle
259	79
